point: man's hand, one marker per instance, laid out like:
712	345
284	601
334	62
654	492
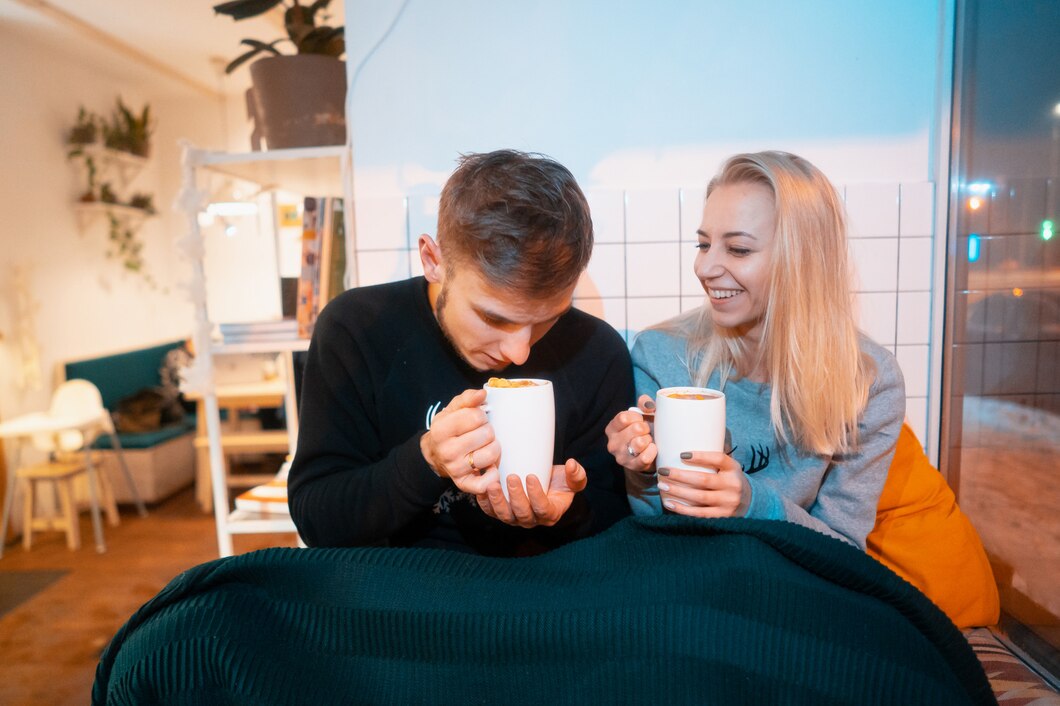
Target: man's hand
697	494
535	507
460	444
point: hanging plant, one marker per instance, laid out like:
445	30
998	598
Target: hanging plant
124	245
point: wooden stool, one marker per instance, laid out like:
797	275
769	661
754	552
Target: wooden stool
61	475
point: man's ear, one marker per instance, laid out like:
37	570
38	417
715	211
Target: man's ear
431	259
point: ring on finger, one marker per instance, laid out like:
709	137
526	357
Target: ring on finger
630	451
470	458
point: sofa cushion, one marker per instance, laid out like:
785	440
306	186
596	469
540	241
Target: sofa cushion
147	439
122	374
923	536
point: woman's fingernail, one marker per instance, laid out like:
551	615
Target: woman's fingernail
664	471
664	486
686	455
649	404
669	505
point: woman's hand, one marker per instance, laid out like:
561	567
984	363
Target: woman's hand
697	494
629	438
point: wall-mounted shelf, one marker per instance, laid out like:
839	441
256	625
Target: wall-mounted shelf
315	171
277	346
128	216
121	165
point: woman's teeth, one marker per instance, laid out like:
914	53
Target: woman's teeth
723	293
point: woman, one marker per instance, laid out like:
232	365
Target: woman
813	406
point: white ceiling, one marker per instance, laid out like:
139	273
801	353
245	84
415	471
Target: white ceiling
182	42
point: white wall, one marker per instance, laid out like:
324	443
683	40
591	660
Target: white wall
641	93
642	101
85	303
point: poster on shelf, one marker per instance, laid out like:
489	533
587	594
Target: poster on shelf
323	259
333	253
309	279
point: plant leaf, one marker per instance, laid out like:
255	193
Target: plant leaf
242	9
240	60
271	46
258	48
298	21
322	41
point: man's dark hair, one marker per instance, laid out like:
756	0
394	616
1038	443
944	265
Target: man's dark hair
519	218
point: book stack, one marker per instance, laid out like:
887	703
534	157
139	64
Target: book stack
323	259
269	498
259	331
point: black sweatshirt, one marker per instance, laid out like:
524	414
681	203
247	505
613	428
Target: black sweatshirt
379	368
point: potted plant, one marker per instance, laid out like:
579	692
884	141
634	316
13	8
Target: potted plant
144	202
84	132
129	132
297	100
106	193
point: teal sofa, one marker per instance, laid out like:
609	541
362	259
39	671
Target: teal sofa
160	462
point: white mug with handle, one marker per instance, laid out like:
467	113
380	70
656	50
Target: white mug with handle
687	419
523	417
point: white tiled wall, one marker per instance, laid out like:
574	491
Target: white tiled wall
641	269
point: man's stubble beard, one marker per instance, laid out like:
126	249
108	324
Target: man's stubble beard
439	316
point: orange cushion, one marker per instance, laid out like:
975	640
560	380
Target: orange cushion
923	536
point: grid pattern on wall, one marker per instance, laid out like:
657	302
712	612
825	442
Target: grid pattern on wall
641	269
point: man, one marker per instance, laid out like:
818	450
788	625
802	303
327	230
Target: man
394	447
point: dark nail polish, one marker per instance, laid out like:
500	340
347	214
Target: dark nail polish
649	405
685	455
664	471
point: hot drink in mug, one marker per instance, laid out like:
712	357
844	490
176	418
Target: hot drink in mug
688	419
523	416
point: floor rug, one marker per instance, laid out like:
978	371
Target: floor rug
16	587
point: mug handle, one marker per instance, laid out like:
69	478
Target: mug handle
649	416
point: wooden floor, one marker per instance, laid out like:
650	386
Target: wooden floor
50	645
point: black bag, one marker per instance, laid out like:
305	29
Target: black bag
148	409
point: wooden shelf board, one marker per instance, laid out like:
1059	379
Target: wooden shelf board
250	441
129	216
246	522
310	171
292	344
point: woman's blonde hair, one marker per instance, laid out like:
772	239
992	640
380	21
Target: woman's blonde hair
809	350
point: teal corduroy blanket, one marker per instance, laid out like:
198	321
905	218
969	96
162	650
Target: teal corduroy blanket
663	610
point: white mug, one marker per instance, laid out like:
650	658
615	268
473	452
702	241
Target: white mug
524	422
687	419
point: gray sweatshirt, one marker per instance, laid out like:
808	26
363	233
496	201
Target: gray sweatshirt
835	494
